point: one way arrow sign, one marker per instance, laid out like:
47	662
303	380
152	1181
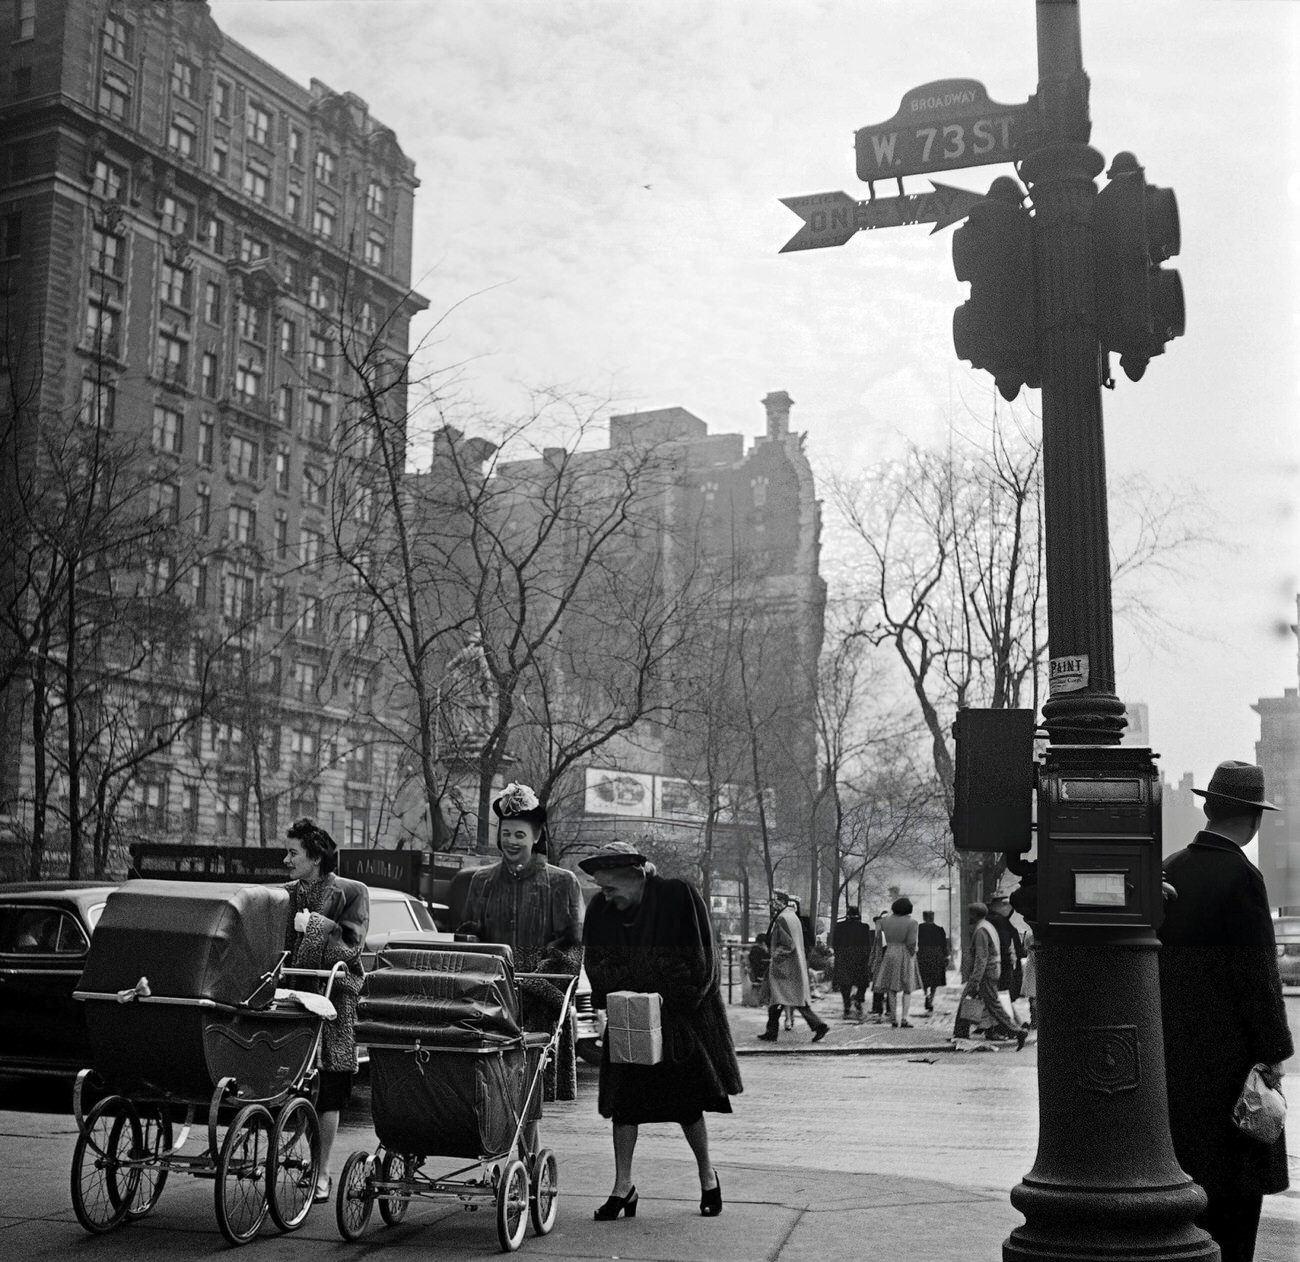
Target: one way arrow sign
832	218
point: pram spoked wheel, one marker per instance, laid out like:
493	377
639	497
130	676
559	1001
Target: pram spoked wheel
544	1192
355	1198
396	1167
155	1141
296	1144
104	1184
512	1205
243	1173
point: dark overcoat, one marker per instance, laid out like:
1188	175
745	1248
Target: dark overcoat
932	954
851	942
1222	1008
664	944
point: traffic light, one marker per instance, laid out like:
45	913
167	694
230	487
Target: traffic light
994	250
993	774
1139	303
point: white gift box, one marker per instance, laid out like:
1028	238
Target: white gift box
634	1030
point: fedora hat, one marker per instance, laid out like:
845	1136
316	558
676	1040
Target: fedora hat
1238	782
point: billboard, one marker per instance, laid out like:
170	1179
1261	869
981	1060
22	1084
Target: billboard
641	795
614	792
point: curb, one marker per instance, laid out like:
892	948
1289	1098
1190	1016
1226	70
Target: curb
823	1050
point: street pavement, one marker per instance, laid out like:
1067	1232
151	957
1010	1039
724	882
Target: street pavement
874	1141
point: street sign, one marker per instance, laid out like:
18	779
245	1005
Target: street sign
832	218
942	126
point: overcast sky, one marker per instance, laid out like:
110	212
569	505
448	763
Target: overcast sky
599	190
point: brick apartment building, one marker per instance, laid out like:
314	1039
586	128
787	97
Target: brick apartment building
186	236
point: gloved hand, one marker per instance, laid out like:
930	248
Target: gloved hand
301	921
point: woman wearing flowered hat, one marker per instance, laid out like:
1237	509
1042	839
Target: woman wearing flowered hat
535	908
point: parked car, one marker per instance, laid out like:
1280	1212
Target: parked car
394	914
45	932
1286	929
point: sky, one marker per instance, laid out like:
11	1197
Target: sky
599	210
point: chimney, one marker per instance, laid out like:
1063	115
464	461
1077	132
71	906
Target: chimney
778	415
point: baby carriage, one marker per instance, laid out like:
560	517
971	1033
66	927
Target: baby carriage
453	1074
184	1015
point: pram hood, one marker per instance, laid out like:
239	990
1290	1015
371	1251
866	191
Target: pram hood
192	940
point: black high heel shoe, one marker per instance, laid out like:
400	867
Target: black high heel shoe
711	1199
625	1205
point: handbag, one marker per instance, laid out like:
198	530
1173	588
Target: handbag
971	1008
1260	1111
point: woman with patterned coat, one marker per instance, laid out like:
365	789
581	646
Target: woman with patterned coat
329	926
650	934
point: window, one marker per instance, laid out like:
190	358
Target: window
108	180
248	377
11	235
303	802
759	487
177	215
374	250
252	322
190	808
251	249
323	221
257	124
183	79
366	321
293	204
152	806
167	502
175	286
279	606
105	252
313	485
101	327
206	443
21	82
216	235
281	537
359	685
98	403
288	336
359	626
182	138
222	97
318	293
116	38
209	383
302	743
114	95
26	15
295	147
311	618
220	160
226	814
202	508
283	411
363	507
168	430
306	679
243	457
161	572
256	181
311	545
358	823
318	352
326	165
241	523
212	302
199	588
171	359
282	469
318	420
239	592
376	198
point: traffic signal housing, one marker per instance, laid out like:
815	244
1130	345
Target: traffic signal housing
993	790
994	250
1139	303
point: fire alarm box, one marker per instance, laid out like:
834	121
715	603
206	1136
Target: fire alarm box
993	793
1099	837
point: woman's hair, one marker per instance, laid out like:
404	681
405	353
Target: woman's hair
317	844
901	907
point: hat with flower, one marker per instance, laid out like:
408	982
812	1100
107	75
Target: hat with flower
520	801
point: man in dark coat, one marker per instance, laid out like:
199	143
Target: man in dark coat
851	942
1222	1008
931	957
1010	970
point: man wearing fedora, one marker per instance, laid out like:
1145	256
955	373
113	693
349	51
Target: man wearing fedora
1222	1008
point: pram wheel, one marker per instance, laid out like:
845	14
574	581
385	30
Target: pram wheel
355	1200
155	1140
396	1167
544	1192
243	1174
103	1183
512	1205
296	1144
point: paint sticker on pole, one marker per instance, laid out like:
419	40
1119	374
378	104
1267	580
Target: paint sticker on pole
1067	674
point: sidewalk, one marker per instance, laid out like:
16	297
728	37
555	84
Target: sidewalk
931	1031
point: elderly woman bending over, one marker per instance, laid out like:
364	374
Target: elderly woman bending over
646	933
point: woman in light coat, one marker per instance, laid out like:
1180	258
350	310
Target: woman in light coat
898	974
